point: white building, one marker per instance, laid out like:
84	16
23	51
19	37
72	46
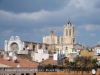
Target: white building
15	45
40	55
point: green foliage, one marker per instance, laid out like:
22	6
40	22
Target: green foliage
74	64
94	62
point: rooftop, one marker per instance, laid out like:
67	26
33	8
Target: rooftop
21	62
49	61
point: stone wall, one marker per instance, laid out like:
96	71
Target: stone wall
66	73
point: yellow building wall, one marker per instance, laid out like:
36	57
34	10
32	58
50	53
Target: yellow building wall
86	53
69	50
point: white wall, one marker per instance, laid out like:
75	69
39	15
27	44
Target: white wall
60	54
40	50
55	57
17	40
39	56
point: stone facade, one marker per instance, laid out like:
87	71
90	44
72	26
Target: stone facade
15	44
62	42
51	42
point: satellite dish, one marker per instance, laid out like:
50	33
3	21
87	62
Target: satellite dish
93	71
8	58
11	53
14	58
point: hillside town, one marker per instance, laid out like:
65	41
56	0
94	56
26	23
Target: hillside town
55	51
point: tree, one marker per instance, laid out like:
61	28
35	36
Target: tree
85	62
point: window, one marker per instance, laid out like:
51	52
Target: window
42	59
70	32
66	32
66	48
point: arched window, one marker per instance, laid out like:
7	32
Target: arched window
66	32
69	32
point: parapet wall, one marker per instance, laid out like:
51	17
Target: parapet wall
67	73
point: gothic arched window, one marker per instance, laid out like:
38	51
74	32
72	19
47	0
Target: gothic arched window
66	32
70	32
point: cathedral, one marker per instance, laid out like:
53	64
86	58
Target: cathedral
51	42
64	42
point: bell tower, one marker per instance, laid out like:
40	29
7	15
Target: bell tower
68	34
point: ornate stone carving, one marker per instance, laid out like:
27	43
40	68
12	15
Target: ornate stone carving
14	47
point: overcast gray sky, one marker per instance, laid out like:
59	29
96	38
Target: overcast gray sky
32	19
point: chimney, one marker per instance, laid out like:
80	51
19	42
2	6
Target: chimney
5	55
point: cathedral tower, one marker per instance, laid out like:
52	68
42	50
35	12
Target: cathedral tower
68	34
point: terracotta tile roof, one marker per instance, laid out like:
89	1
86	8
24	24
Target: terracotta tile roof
21	62
49	61
24	56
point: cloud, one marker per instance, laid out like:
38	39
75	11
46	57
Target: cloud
46	30
24	16
77	33
98	43
92	34
79	7
90	27
40	21
7	32
19	6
